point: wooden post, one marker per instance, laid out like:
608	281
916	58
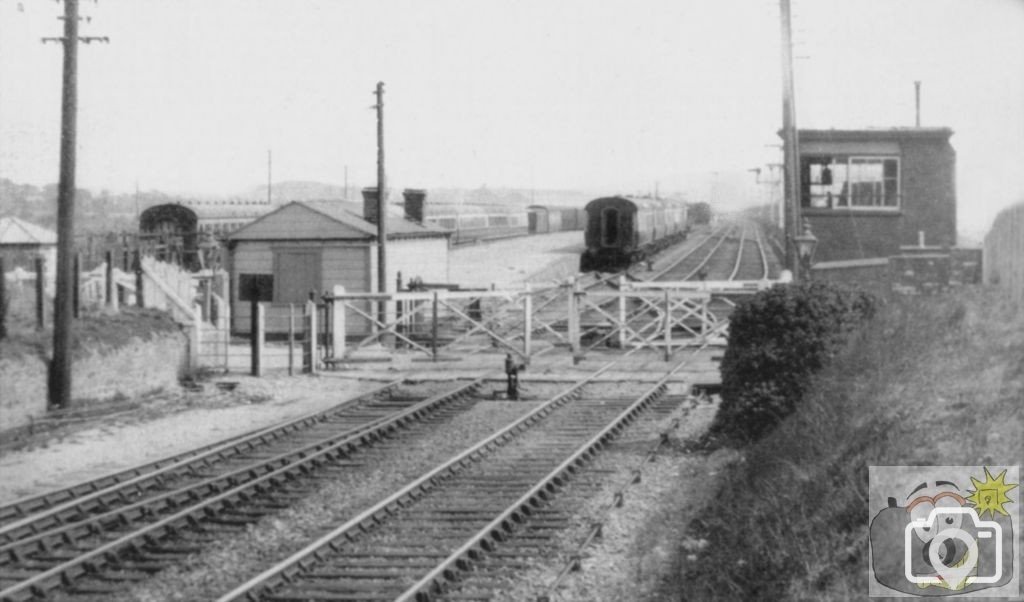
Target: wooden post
311	336
76	286
574	322
139	296
622	312
110	299
197	342
527	321
668	326
338	321
3	300
40	294
122	295
291	339
207	298
433	329
254	328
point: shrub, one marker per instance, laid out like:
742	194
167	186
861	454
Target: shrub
777	340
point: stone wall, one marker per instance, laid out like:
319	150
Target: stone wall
137	368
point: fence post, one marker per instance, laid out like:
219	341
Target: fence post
110	298
197	342
291	339
139	297
40	294
338	321
3	300
259	338
668	326
622	312
527	320
122	296
311	344
433	329
574	322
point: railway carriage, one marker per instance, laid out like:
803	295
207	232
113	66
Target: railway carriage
471	223
179	231
621	230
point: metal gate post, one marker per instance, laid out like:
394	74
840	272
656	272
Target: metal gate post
338	320
527	320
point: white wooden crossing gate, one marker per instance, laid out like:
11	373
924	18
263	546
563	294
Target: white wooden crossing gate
659	315
656	315
433	321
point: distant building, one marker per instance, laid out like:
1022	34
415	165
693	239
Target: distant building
312	246
867	193
21	242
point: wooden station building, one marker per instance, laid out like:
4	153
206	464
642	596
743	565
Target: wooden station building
312	246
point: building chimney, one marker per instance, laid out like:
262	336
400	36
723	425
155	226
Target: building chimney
414	199
370	205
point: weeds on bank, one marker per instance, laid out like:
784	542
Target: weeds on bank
929	381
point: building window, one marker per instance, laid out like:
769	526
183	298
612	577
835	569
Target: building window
850	182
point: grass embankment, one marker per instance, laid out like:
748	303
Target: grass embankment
929	381
91	332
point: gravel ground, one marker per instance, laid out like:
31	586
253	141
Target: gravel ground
168	423
639	540
237	558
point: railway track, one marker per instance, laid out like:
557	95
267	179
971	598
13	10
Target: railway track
94	542
412	544
92	493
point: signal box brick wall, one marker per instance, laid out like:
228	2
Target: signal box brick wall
927	192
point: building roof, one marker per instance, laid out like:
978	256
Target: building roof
892	133
304	220
15	231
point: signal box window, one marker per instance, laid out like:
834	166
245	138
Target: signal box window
840	182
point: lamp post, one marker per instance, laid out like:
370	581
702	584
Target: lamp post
806	243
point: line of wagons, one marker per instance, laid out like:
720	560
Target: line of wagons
618	230
184	231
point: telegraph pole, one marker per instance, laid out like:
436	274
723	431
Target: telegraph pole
382	194
269	172
63	305
791	180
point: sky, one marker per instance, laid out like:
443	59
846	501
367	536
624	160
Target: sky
609	96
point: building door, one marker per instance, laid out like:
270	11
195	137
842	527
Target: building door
296	273
609	228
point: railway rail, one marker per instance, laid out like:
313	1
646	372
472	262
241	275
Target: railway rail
412	544
138	526
165	467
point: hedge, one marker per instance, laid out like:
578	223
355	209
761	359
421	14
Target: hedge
777	340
